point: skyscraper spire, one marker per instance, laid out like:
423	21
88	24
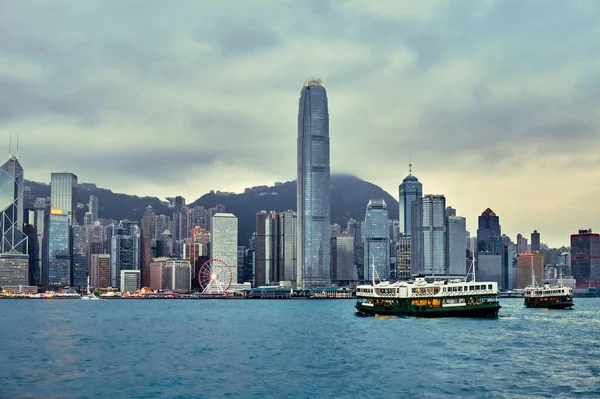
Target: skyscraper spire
410	165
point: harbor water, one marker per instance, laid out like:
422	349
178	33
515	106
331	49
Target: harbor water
291	348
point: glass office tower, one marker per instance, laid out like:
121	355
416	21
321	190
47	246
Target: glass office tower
313	190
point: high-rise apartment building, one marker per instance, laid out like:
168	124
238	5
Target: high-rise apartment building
313	187
93	207
585	258
377	241
100	271
410	190
223	241
535	241
124	249
343	269
63	193
428	247
14	240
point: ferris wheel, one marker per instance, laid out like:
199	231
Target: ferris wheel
214	276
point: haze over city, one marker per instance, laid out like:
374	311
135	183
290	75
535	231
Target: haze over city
494	102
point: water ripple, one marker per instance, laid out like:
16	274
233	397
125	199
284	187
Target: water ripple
291	349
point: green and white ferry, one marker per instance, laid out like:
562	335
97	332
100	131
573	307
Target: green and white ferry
420	298
548	296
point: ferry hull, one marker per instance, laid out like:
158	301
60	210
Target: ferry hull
484	310
557	304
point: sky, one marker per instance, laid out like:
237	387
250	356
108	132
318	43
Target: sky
497	103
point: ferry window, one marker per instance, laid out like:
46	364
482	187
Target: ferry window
489	287
460	289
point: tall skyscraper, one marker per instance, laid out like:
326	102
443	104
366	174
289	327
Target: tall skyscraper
535	241
93	207
457	245
288	248
223	241
146	244
410	190
57	251
585	258
63	191
488	231
79	264
343	269
428	246
14	240
377	241
313	186
124	250
267	247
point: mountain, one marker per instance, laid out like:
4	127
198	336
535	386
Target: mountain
349	198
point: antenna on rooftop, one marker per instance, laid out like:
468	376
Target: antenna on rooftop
410	165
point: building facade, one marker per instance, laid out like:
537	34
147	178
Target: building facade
129	280
57	251
457	245
178	275
313	187
428	246
146	244
124	249
377	241
223	239
63	193
14	269
79	264
527	263
585	258
100	271
343	269
403	258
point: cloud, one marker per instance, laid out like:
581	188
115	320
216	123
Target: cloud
490	98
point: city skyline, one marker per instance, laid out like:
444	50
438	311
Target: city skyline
462	115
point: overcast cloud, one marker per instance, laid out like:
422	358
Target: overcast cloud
497	102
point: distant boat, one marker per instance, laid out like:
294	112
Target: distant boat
90	297
548	296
